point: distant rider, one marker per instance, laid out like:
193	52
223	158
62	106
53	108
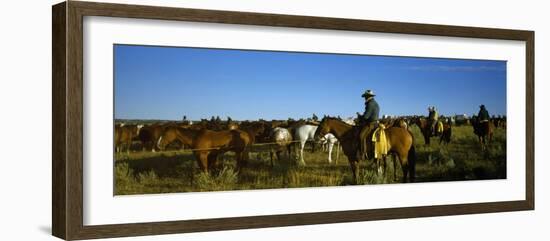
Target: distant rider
483	115
432	118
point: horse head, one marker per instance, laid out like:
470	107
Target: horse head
323	128
419	121
167	137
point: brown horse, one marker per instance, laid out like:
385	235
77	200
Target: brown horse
255	131
124	135
426	130
149	135
499	122
484	132
209	144
185	136
399	122
400	142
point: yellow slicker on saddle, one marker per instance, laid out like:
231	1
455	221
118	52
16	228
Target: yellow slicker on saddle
439	127
380	141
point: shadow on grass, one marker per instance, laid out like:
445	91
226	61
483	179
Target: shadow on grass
162	165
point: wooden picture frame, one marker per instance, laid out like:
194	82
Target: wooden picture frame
67	156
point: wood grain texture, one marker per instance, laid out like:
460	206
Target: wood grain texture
74	120
122	230
280	20
530	120
67	78
59	193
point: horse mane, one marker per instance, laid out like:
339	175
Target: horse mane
313	123
336	119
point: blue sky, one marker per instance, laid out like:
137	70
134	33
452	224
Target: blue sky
169	82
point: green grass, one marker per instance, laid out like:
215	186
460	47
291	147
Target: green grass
177	171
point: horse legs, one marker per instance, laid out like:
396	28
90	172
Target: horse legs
244	158
394	168
202	160
239	156
353	165
381	165
212	159
337	153
128	144
330	146
288	148
405	168
302	145
271	156
278	153
385	163
482	142
426	138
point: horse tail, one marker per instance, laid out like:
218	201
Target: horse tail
412	163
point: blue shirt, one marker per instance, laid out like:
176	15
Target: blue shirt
371	111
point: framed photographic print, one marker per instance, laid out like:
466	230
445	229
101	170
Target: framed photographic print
171	120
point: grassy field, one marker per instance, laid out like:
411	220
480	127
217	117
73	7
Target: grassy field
177	171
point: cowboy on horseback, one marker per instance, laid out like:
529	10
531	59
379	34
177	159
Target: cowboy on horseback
483	128
433	118
483	115
369	120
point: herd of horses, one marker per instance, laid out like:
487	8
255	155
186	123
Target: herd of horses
208	139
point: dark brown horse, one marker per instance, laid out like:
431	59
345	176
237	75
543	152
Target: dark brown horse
446	134
255	130
484	131
499	122
400	142
426	130
149	135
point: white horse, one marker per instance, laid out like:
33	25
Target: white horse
328	142
303	134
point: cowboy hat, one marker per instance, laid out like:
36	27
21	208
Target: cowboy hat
368	93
